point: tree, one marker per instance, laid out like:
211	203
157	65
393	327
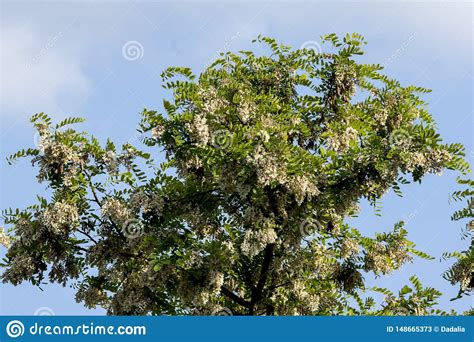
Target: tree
266	156
462	271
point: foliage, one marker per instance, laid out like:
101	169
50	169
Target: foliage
266	156
462	271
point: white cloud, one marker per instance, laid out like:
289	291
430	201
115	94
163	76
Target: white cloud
36	74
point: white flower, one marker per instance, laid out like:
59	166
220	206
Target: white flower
295	121
212	102
268	167
111	162
246	110
60	215
349	248
216	280
116	211
56	158
462	273
302	188
255	241
264	136
416	159
378	260
199	129
381	116
4	238
157	131
153	203
437	158
341	142
345	77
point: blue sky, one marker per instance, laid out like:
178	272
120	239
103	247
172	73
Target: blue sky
67	59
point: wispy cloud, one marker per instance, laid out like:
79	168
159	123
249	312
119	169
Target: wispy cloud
37	75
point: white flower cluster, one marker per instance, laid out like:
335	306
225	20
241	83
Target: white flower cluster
308	300
419	310
437	158
462	273
153	203
399	255
215	281
349	248
198	129
187	164
111	162
211	100
255	241
268	167
4	238
302	187
91	296
57	159
384	259
131	299
60	216
22	267
157	131
246	111
296	299
322	261
431	161
263	135
378	263
295	120
116	211
345	80
416	159
341	142
200	289
381	116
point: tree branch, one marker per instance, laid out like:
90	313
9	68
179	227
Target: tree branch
267	259
226	292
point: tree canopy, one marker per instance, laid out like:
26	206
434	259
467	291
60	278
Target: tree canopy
266	157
